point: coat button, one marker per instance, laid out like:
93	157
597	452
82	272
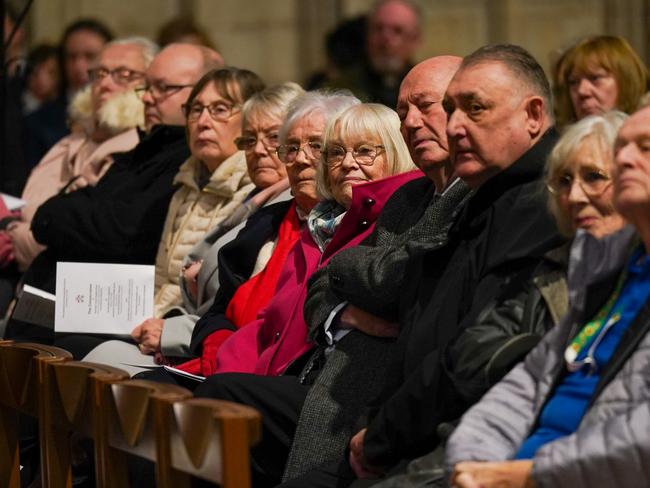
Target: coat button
369	202
277	336
364	224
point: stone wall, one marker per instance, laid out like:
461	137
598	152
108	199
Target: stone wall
282	39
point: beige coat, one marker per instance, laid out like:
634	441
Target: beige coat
192	213
75	157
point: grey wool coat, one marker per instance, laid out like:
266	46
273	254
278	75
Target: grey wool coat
612	443
355	370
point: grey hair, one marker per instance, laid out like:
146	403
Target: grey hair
520	63
326	103
360	121
603	128
273	101
148	48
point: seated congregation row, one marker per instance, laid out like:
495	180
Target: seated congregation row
358	302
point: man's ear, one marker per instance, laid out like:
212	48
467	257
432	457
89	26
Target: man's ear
535	115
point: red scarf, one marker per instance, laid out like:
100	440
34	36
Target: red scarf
253	295
250	297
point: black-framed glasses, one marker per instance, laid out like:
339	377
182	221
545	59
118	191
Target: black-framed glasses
592	181
363	154
289	152
248	143
219	111
160	90
121	75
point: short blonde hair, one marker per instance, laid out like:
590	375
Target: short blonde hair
364	120
273	101
602	129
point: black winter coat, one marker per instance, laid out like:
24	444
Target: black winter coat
236	263
504	230
121	218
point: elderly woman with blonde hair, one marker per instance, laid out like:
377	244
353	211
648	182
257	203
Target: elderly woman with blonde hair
360	167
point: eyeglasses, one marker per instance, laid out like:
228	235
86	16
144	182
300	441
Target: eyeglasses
160	91
592	181
121	76
289	152
218	111
248	143
363	154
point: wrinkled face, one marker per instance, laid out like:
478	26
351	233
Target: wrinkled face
487	125
44	79
350	172
264	166
80	51
392	37
126	57
592	92
586	194
302	171
424	121
632	167
213	141
178	66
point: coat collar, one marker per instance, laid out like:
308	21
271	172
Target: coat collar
529	167
368	200
224	181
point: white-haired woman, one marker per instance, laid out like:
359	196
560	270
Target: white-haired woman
362	145
250	265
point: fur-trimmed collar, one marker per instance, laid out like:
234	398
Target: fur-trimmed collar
121	112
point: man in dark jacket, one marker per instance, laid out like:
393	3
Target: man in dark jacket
500	132
121	218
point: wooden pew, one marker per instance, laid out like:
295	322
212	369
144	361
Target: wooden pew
211	439
22	370
184	436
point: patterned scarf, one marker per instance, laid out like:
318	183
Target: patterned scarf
323	221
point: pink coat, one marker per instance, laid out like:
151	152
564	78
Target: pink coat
278	337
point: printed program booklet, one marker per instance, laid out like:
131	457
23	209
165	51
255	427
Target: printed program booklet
35	306
97	298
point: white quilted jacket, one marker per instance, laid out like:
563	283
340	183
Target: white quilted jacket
192	213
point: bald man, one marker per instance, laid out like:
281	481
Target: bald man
121	218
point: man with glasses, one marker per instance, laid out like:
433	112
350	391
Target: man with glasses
167	90
120	219
108	113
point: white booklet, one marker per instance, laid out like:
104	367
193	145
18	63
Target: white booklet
13	203
97	298
35	306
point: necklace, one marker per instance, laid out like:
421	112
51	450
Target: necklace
598	325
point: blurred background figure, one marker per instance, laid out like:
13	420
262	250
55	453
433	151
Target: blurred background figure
15	51
345	48
80	44
184	30
42	77
598	74
393	36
